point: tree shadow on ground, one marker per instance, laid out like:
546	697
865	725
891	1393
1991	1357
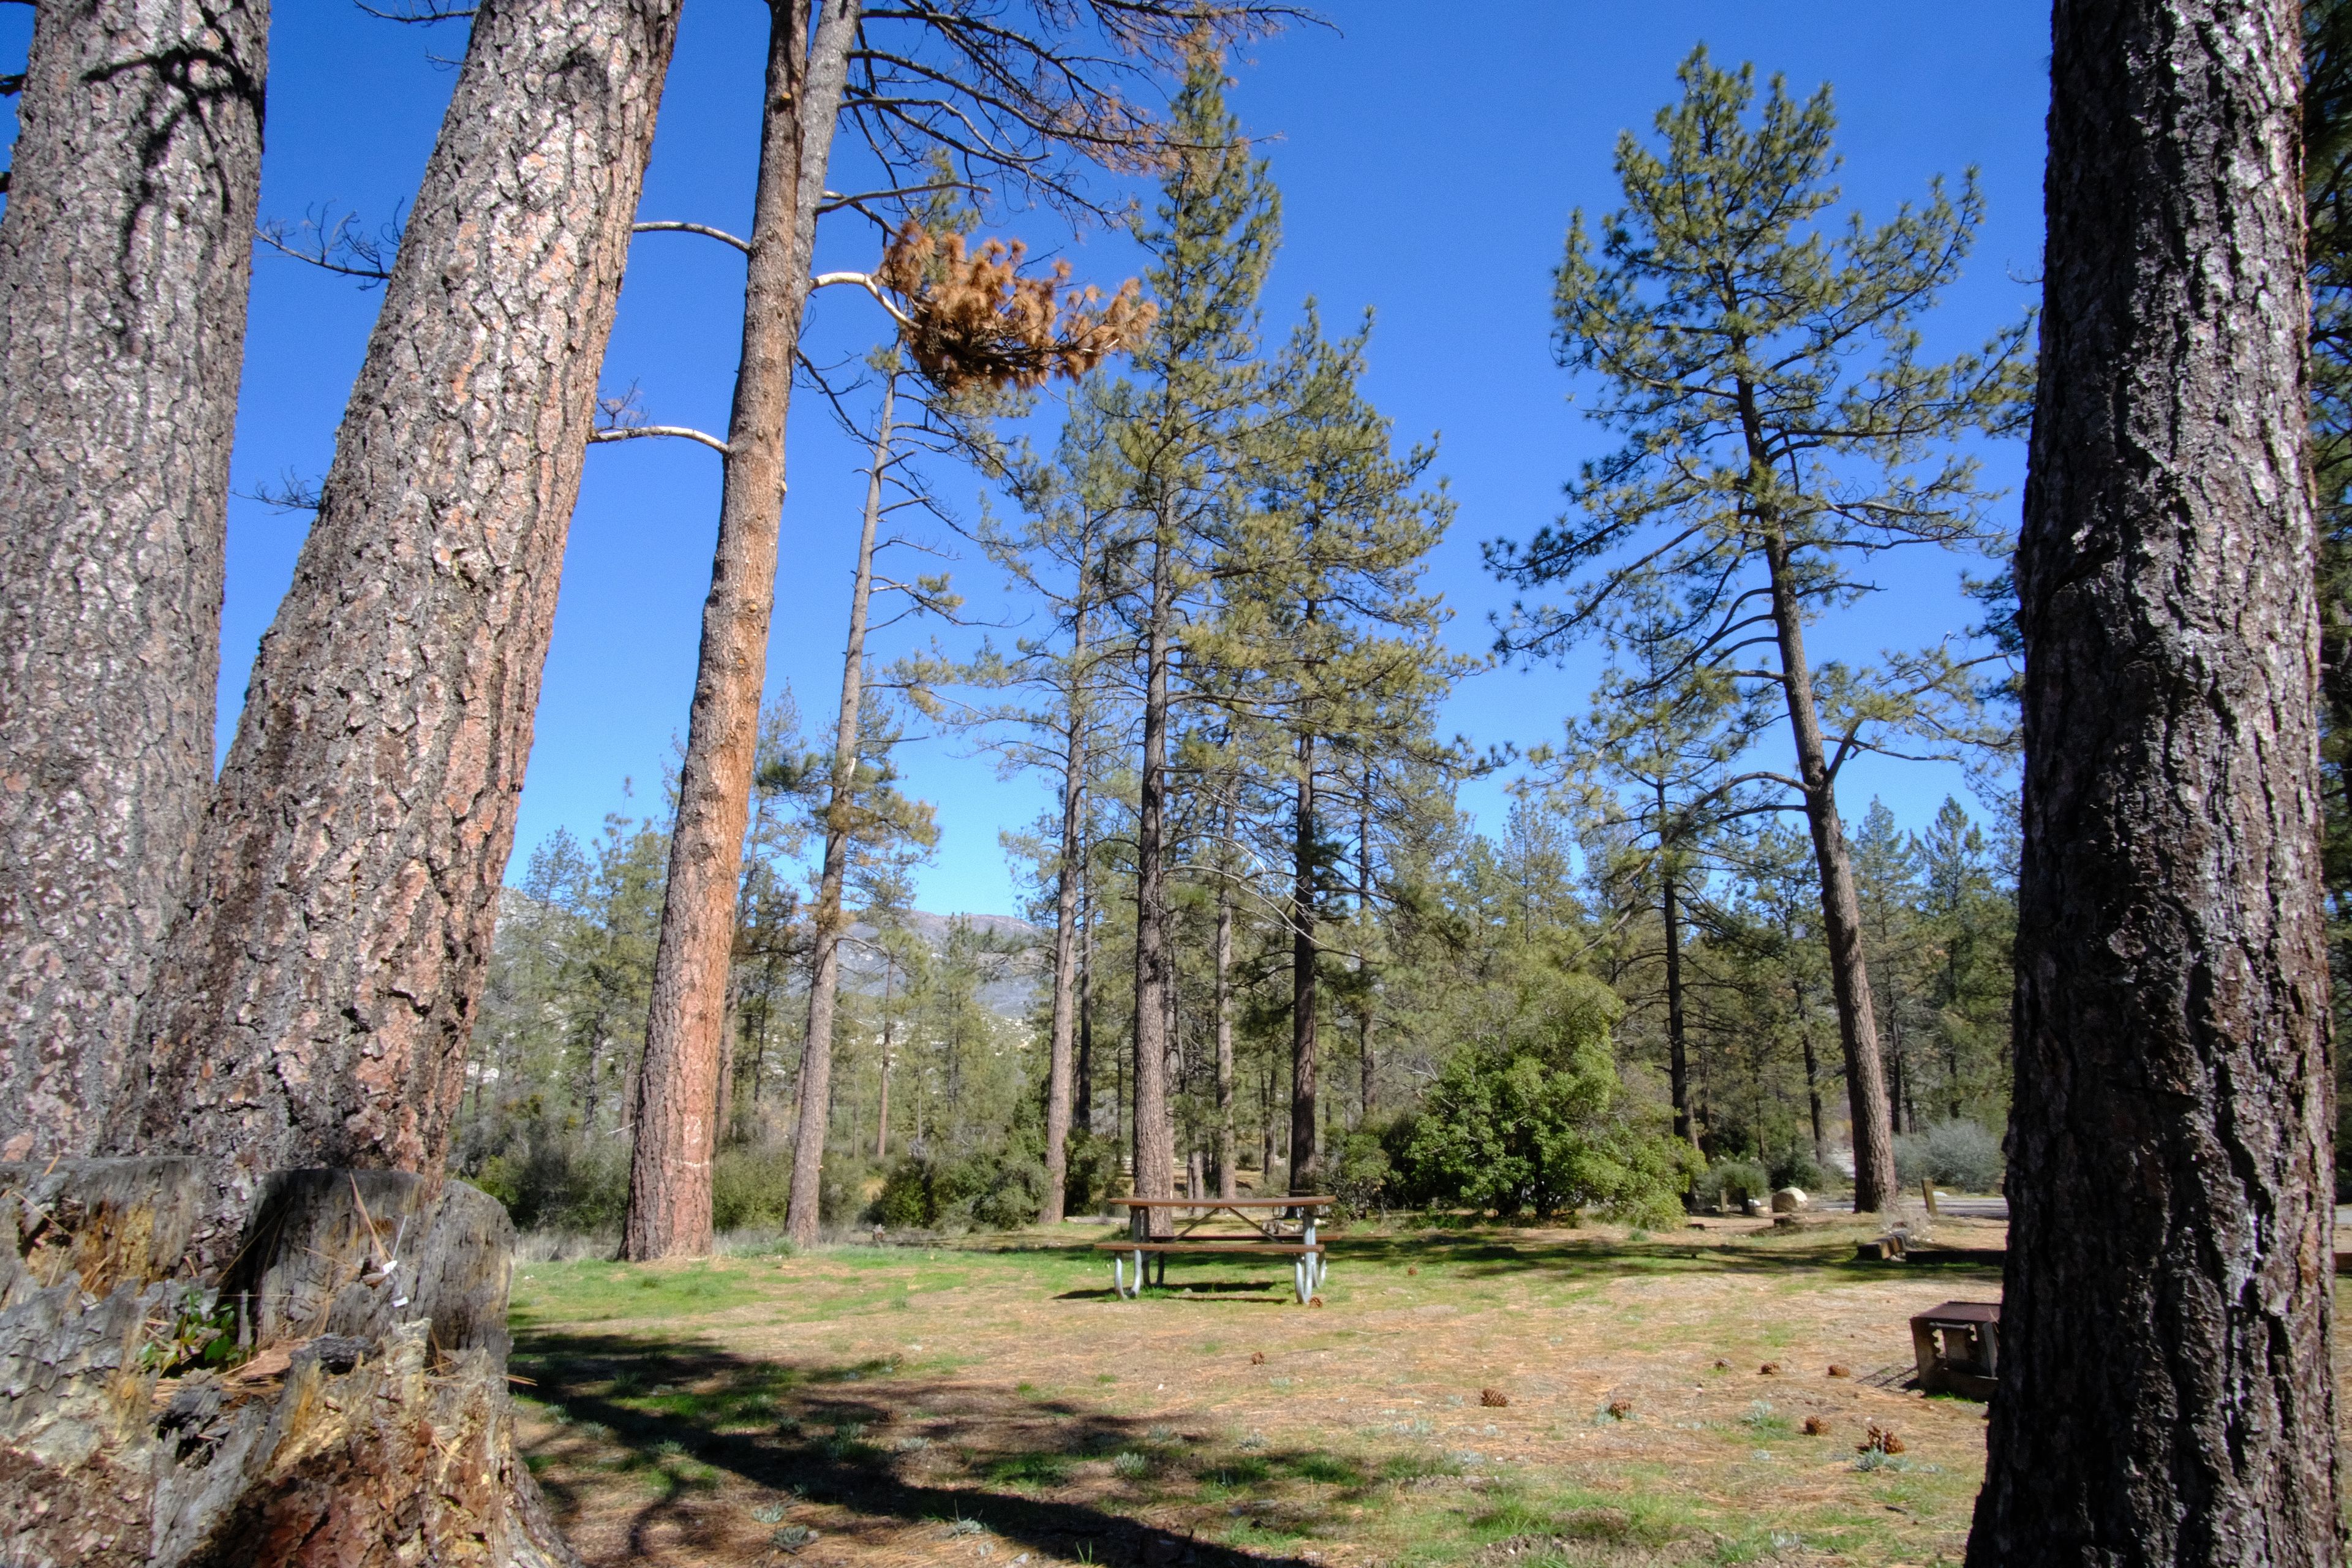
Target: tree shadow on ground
823	1440
1495	1256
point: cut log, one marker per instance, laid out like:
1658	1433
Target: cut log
338	1398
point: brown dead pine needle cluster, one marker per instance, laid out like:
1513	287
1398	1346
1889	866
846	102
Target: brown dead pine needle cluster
970	317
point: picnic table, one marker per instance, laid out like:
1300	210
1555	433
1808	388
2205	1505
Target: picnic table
1282	1225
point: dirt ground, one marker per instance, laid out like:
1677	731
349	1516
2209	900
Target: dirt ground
991	1401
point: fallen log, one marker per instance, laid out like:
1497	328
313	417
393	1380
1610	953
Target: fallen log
337	1397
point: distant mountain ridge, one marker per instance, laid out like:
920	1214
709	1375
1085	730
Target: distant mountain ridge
1013	994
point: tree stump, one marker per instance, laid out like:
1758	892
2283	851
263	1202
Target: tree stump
337	1397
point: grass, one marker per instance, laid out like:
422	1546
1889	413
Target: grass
914	1405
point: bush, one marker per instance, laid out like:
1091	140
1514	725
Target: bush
750	1188
1532	1122
551	1178
1796	1167
1092	1166
1736	1179
1956	1153
1359	1174
986	1189
905	1200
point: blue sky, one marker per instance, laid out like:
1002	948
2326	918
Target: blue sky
1428	156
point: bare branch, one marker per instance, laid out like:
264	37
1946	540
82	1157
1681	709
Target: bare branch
335	245
667	225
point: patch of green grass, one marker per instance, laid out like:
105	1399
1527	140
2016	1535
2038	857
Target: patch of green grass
1415	1464
1028	1471
1328	1469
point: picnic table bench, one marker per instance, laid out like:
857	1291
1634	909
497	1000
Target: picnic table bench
1280	1225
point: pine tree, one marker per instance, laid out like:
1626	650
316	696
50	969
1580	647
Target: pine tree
1781	428
2166	1388
125	260
1323	637
1658	762
1174	428
314	1004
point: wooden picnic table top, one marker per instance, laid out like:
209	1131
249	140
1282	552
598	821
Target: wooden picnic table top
1296	1203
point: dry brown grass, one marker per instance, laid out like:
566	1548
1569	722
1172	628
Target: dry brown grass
878	1397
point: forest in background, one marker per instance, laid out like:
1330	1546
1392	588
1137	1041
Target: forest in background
1622	998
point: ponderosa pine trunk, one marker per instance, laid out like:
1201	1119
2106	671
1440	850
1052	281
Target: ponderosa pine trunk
1367	1070
1082	1096
669	1173
1677	1039
314	1007
124	261
1225	1005
2165	1390
1066	920
1813	1081
1875	1184
815	1114
1154	1136
1305	1169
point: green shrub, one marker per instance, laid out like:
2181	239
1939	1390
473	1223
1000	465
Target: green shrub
985	1189
553	1178
1360	1174
1536	1121
1092	1168
1736	1179
1957	1153
751	1187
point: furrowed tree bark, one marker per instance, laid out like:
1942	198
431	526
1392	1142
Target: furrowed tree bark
1082	1105
1367	1069
824	982
2165	1387
1875	1185
1306	1168
1225	1005
314	1007
1155	967
669	1177
1066	921
1677	1041
124	264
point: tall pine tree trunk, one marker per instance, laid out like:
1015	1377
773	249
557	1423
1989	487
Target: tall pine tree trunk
1155	976
2166	1395
1813	1081
1065	919
669	1177
824	982
124	259
1866	1071
1082	1095
1677	1040
1367	1069
313	1007
1305	1169
1225	1005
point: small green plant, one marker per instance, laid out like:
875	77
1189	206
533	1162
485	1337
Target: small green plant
202	1333
1030	1470
768	1513
1870	1459
793	1537
1130	1466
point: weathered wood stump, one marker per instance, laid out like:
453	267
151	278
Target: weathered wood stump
337	1397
